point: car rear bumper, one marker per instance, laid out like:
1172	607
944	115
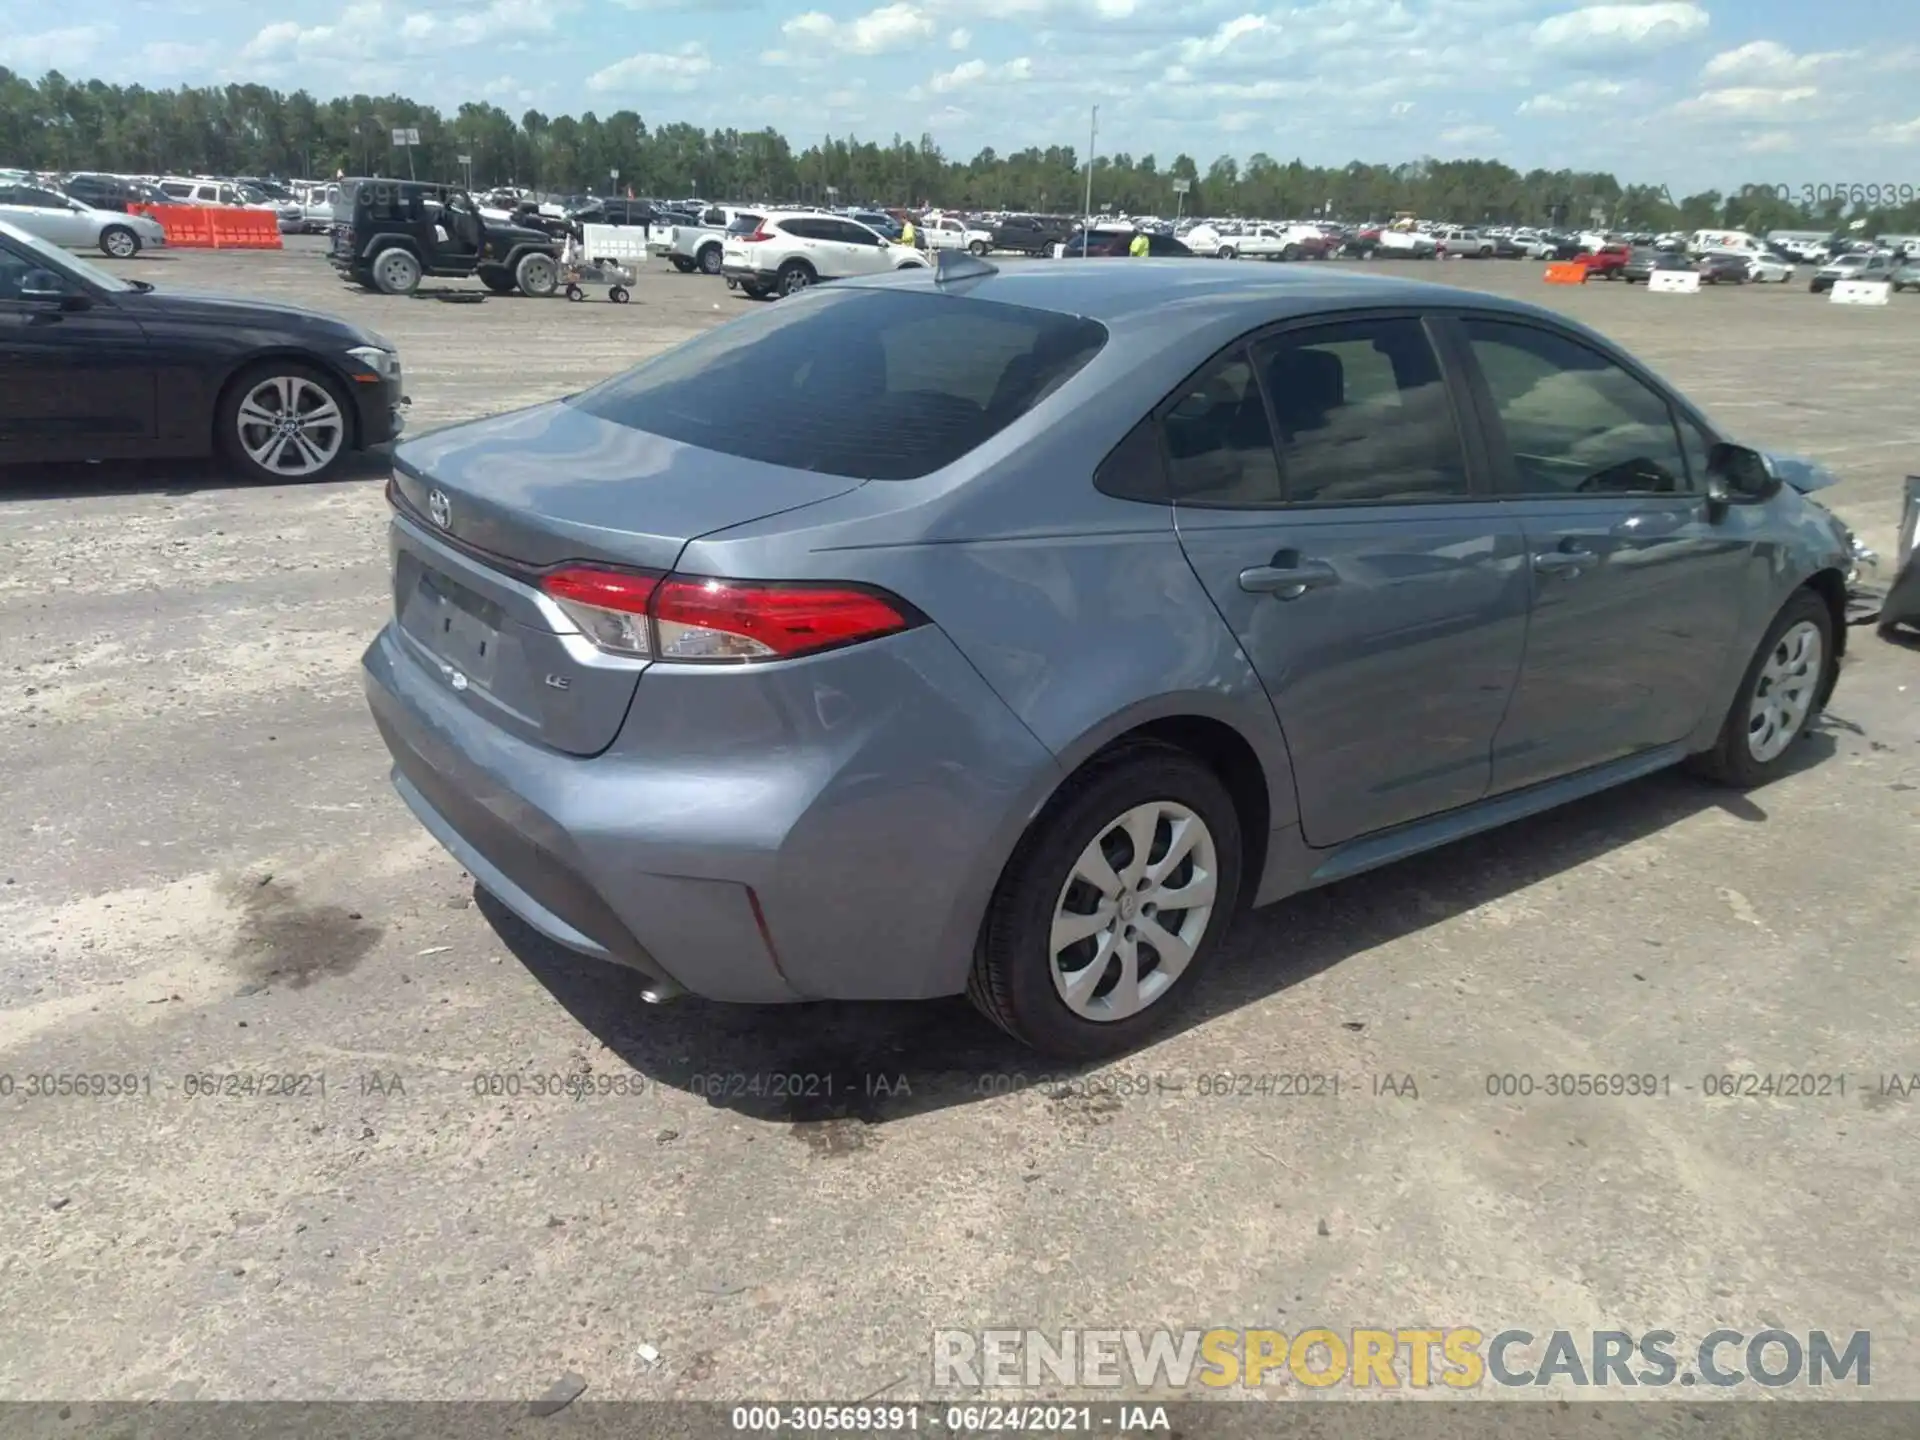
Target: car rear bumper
749	275
829	828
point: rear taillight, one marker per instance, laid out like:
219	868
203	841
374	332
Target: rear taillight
757	237
609	606
685	619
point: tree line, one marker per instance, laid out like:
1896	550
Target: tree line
59	124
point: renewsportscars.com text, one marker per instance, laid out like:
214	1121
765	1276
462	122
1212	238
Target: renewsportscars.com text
1456	1358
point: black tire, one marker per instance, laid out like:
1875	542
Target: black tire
227	436
1012	978
500	282
536	275
1292	252
119	242
618	294
978	249
395	271
1227	252
754	292
680	263
574	292
711	259
796	275
1732	761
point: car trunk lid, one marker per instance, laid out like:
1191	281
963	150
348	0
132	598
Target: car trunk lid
483	510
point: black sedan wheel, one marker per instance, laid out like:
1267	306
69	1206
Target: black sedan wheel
284	421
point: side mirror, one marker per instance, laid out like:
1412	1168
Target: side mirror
43	287
1737	475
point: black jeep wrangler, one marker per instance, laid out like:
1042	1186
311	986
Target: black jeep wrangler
400	230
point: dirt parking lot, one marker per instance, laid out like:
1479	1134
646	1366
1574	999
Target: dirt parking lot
207	875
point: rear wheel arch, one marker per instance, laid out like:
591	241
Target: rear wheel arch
1216	743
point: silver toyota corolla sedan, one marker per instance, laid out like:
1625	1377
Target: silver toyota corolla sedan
1007	632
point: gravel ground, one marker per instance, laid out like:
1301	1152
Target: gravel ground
206	874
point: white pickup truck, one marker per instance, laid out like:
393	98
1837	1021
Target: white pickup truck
1408	244
945	233
1273	242
702	247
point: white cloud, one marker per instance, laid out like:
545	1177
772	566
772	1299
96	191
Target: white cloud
1608	30
1748	102
61	50
1575	98
899	26
1469	135
367	28
679	69
1905	132
978	72
1768	61
960	39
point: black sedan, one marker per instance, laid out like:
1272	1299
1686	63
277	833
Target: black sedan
94	367
1724	269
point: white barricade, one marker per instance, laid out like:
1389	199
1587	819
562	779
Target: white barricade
1861	292
1674	282
622	244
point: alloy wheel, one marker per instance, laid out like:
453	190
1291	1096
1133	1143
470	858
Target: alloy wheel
1133	911
291	426
121	244
1783	695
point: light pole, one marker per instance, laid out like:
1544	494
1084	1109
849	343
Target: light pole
1093	139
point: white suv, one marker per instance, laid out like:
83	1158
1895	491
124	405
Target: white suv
794	249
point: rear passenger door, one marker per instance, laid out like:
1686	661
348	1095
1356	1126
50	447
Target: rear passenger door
1331	500
852	249
1636	591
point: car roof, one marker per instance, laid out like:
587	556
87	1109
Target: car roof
1197	293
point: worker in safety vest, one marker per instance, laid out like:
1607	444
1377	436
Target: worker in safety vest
906	233
1139	247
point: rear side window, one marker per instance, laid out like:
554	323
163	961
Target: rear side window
1219	447
873	384
1364	414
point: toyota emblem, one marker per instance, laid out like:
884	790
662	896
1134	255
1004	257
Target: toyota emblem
440	508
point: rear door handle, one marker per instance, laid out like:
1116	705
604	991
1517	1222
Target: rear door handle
1288	577
1567	561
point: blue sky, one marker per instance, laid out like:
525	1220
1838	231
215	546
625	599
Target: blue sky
1675	92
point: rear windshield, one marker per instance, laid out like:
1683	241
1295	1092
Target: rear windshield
744	225
875	384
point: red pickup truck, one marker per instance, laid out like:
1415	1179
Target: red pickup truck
1609	262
